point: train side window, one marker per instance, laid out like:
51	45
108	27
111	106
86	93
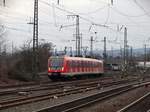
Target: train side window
100	64
72	63
76	64
79	63
90	64
69	64
82	63
93	64
87	63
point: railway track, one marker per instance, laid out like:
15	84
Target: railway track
57	93
47	85
140	105
86	101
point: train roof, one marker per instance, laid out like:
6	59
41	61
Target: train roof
77	58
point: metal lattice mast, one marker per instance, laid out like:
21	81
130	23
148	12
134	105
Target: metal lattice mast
125	51
4	3
105	54
78	35
91	46
35	40
78	38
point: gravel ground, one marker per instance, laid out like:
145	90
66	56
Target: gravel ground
118	102
143	106
51	102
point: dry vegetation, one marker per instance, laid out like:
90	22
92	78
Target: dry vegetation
18	66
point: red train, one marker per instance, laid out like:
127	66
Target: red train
68	67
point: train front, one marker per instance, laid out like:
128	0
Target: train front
55	67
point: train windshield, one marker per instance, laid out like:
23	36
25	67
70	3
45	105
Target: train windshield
56	63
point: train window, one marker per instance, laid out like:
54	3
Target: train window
76	64
100	64
70	63
89	64
82	63
79	63
56	63
97	64
92	64
85	64
73	63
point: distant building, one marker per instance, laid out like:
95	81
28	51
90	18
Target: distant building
141	64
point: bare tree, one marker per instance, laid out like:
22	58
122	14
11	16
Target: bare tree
22	67
2	52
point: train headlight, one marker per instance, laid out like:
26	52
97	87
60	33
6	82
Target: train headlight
49	68
62	68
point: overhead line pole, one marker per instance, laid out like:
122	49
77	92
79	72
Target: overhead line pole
4	3
35	41
78	40
131	55
105	54
78	35
91	47
125	51
145	55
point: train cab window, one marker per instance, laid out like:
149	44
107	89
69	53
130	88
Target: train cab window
56	63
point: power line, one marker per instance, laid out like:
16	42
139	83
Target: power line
123	14
108	16
141	8
64	10
95	11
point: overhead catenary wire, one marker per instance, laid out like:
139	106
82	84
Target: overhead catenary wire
108	15
142	8
92	20
95	11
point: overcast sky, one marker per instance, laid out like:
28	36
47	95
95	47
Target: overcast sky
134	14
